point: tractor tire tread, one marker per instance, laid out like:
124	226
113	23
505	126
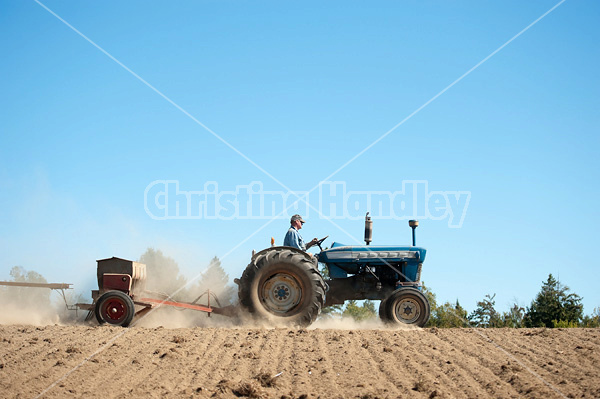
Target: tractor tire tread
311	309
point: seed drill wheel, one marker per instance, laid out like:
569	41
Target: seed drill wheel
284	286
116	308
405	306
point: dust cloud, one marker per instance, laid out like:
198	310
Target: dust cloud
14	313
170	317
33	305
40	306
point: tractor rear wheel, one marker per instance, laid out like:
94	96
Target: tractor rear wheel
116	308
282	286
405	306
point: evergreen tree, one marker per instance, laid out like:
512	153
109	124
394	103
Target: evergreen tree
447	315
554	306
162	274
485	315
514	317
217	281
450	315
461	313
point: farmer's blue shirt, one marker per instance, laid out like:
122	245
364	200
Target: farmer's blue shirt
294	239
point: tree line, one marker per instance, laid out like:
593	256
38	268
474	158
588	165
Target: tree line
553	307
164	276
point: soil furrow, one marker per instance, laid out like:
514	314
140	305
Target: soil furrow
474	344
326	363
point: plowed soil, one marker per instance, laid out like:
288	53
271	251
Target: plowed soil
110	362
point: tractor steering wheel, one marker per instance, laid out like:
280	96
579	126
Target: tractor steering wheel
318	243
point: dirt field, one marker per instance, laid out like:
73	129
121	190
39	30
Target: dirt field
297	363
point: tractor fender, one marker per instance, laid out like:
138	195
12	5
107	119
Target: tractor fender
266	251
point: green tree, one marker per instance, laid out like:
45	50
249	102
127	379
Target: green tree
591	321
162	274
360	313
450	315
553	306
447	315
431	298
485	315
217	281
564	324
514	317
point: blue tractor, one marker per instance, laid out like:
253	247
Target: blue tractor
284	284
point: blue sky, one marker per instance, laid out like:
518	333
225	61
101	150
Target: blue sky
300	89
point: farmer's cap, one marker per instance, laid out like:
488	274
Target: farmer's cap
297	217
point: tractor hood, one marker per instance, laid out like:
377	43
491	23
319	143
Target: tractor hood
340	253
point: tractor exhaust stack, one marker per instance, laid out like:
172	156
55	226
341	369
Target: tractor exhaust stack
368	229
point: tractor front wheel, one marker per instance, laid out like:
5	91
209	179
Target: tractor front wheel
116	308
382	311
405	306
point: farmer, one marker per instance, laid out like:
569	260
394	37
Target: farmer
293	237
